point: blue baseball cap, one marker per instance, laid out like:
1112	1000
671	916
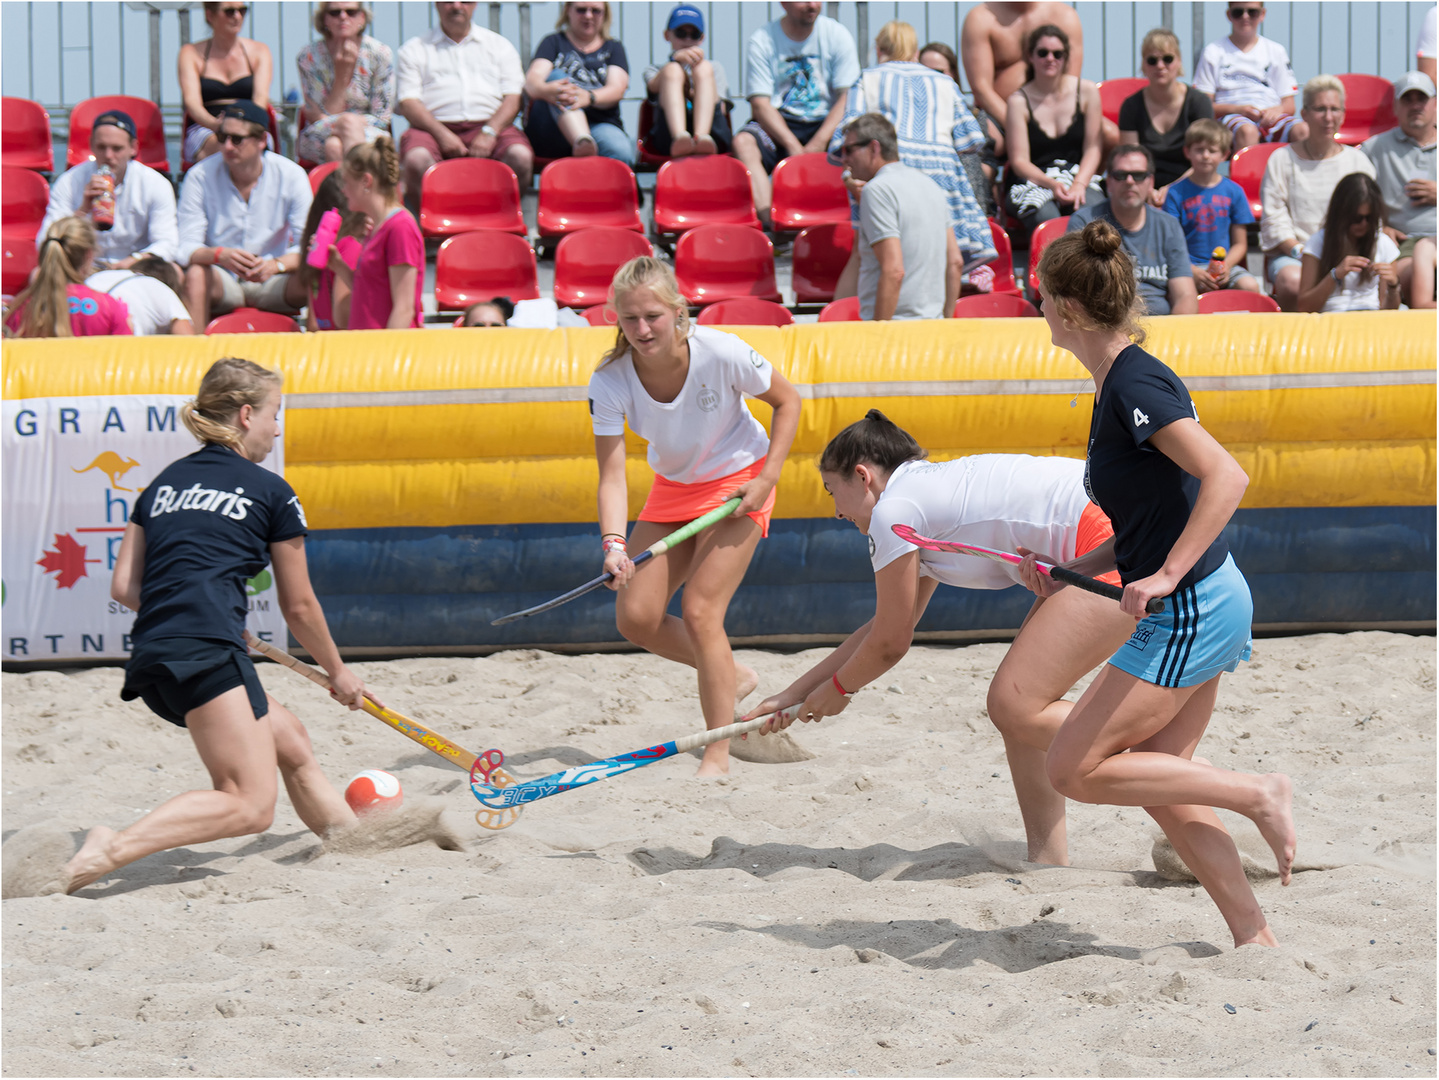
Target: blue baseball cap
686	15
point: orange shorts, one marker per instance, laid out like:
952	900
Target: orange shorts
1094	529
671	502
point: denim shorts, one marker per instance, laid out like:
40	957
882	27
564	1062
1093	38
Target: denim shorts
1203	631
1276	263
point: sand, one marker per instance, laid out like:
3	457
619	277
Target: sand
864	912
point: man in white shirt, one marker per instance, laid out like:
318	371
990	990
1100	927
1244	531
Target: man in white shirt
242	212
459	87
1250	81
144	201
151	290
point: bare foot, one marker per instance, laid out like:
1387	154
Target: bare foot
1263	936
1275	819
93	861
715	761
682	145
705	144
746	679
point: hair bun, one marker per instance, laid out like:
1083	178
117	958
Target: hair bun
1102	238
877	416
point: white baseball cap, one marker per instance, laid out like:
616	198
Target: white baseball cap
1413	80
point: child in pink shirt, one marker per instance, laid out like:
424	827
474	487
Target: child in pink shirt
385	284
58	303
330	306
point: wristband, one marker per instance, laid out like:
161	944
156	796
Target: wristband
1297	251
1334	273
842	691
613	545
218	252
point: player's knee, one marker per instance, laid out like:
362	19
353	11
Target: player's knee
1065	777
700	614
253	816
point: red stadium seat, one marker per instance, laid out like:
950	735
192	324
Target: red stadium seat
25	195
808	191
463	194
846	310
1112	93
724	262
248	320
706	190
149	129
586	261
1235	300
994	306
1003	265
482	265
746	312
1247	170
647	157
1368	108
25	135
585	193
599	315
318	174
1042	236
820	254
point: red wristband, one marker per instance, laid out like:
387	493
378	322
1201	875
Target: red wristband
835	679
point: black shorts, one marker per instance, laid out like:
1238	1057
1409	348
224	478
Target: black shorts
174	675
659	133
770	153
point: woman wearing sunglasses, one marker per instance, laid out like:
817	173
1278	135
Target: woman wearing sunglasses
1157	117
575	83
1349	262
348	79
213	73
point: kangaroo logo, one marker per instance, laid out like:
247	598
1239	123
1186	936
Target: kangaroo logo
113	465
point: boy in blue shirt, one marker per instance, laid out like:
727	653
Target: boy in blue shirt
1213	210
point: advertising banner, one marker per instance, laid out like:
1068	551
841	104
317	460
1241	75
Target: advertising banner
72	470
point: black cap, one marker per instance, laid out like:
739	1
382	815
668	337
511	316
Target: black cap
246	110
116	118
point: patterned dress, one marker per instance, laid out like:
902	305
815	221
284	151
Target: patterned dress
371	93
934	127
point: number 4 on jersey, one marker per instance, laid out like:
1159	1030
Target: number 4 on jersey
1140	419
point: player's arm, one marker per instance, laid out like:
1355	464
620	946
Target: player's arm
129	567
306	619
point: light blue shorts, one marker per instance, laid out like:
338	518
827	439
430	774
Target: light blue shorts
1276	263
1203	631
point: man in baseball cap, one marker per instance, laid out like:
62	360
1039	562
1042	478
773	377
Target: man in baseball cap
687	94
1404	162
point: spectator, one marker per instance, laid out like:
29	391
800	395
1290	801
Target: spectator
1213	210
459	87
933	126
1297	184
328	299
1403	160
385	283
1427	49
799	67
1349	257
575	83
1153	239
348	80
688	91
908	269
57	302
1053	130
494	312
144	200
1249	79
1158	116
241	216
150	291
980	166
243	68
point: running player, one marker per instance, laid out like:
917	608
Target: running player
204	526
1169	489
682	387
878	477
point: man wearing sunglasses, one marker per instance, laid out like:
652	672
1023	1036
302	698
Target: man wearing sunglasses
1154	240
242	212
1250	81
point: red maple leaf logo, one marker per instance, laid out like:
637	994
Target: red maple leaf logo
67	561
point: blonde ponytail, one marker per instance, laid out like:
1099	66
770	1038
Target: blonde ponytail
229	384
64	254
379	159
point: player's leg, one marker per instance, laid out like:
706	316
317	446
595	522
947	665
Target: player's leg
640	606
315	799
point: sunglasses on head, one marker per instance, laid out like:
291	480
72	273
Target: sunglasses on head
1045	54
1137	175
347	12
687	33
1245	12
238	9
1155	61
231	137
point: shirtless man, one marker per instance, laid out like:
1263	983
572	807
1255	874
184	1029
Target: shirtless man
991	45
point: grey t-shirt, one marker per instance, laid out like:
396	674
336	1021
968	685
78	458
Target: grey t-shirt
1397	160
905	203
1158	250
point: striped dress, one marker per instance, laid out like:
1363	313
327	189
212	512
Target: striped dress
934	127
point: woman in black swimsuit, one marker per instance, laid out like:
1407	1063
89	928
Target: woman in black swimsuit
224	68
1048	173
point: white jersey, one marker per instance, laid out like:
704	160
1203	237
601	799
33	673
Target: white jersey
1001	501
1426	46
153	304
1259	77
706	432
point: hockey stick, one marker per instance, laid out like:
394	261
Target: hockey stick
659	547
580	775
411	729
1058	573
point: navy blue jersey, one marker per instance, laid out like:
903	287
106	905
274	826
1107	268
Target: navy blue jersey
1146	495
209	521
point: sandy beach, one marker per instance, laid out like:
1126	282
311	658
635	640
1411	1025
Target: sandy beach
864	912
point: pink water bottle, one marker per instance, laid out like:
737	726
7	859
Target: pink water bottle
325	233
